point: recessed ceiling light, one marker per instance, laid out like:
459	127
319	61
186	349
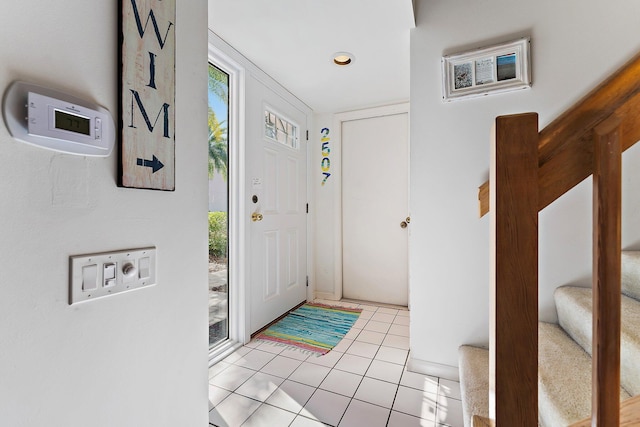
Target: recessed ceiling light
343	58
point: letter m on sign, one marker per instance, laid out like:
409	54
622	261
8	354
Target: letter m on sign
147	94
135	100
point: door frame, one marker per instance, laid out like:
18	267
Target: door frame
237	308
233	62
336	154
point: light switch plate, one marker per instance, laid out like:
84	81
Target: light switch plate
134	269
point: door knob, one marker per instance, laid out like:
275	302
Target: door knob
256	217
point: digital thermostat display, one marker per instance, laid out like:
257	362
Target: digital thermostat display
57	121
72	122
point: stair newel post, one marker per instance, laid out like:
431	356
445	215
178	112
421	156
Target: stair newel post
513	399
607	203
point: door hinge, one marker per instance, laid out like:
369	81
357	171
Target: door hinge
307	207
307	135
307	281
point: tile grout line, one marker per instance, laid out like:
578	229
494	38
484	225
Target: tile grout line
364	376
331	369
265	400
391	323
361	379
398	388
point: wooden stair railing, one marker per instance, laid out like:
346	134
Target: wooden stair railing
530	170
478	421
513	346
607	287
629	415
513	349
565	154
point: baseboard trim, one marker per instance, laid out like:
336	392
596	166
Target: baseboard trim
433	369
326	295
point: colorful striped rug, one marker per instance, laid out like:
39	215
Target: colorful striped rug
313	327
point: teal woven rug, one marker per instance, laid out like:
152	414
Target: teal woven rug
313	327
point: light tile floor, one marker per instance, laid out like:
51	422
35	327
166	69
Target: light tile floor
363	381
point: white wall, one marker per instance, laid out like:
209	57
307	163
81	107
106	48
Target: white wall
324	204
136	359
575	44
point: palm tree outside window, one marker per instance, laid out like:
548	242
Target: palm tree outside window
218	98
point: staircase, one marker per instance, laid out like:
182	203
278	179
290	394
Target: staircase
564	356
577	372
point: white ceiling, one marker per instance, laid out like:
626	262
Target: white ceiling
293	41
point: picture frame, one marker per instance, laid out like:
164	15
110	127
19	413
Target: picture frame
494	69
147	80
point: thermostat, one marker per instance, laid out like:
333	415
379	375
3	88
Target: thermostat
57	121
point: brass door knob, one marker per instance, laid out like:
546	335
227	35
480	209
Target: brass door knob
256	217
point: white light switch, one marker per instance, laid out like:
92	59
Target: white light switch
90	277
143	268
98	275
109	271
109	275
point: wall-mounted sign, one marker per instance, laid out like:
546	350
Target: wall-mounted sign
147	94
325	164
499	68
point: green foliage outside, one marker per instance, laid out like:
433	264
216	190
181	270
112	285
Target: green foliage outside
218	234
218	156
219	83
218	134
218	159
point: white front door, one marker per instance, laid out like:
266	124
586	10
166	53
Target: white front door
277	189
375	207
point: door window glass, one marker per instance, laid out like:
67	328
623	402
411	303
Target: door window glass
218	121
280	130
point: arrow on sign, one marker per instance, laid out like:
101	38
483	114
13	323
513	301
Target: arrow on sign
154	164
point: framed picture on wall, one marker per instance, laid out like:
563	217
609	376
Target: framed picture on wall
500	68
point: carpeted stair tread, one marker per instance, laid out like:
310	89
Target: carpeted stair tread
631	274
564	378
564	369
574	315
474	382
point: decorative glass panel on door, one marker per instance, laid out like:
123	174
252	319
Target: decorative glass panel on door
279	129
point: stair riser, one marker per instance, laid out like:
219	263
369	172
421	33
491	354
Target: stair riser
474	382
564	373
574	315
631	274
629	372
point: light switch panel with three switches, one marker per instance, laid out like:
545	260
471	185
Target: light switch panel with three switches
99	275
